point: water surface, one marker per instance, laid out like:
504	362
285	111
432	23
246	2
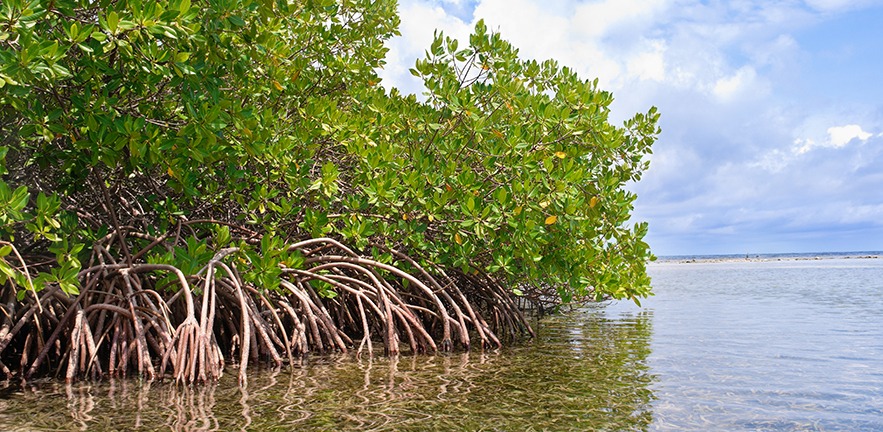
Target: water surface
582	373
777	345
773	345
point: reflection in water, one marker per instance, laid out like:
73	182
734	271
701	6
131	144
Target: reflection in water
584	371
735	346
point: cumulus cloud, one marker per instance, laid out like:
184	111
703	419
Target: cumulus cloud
842	135
838	137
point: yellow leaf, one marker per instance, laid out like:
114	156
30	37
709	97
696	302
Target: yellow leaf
404	216
593	202
560	155
277	85
518	210
430	217
497	133
551	219
458	239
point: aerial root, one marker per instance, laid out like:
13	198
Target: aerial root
152	320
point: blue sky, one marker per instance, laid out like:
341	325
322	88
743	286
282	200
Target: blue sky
772	111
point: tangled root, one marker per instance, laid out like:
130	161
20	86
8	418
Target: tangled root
134	318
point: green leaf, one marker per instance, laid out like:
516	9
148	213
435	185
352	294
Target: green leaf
236	21
19	198
113	21
222	236
6	269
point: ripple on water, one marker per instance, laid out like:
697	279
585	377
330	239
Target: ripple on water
722	346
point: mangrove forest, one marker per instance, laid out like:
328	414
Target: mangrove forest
193	185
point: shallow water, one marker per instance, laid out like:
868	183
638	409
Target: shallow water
790	345
589	374
777	345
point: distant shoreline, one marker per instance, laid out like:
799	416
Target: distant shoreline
690	259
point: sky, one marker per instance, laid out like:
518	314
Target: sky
772	110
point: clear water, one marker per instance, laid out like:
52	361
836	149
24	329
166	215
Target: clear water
775	345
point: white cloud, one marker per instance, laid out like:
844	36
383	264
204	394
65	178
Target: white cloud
741	84
552	30
597	19
842	135
837	137
649	64
419	21
670	42
803	145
